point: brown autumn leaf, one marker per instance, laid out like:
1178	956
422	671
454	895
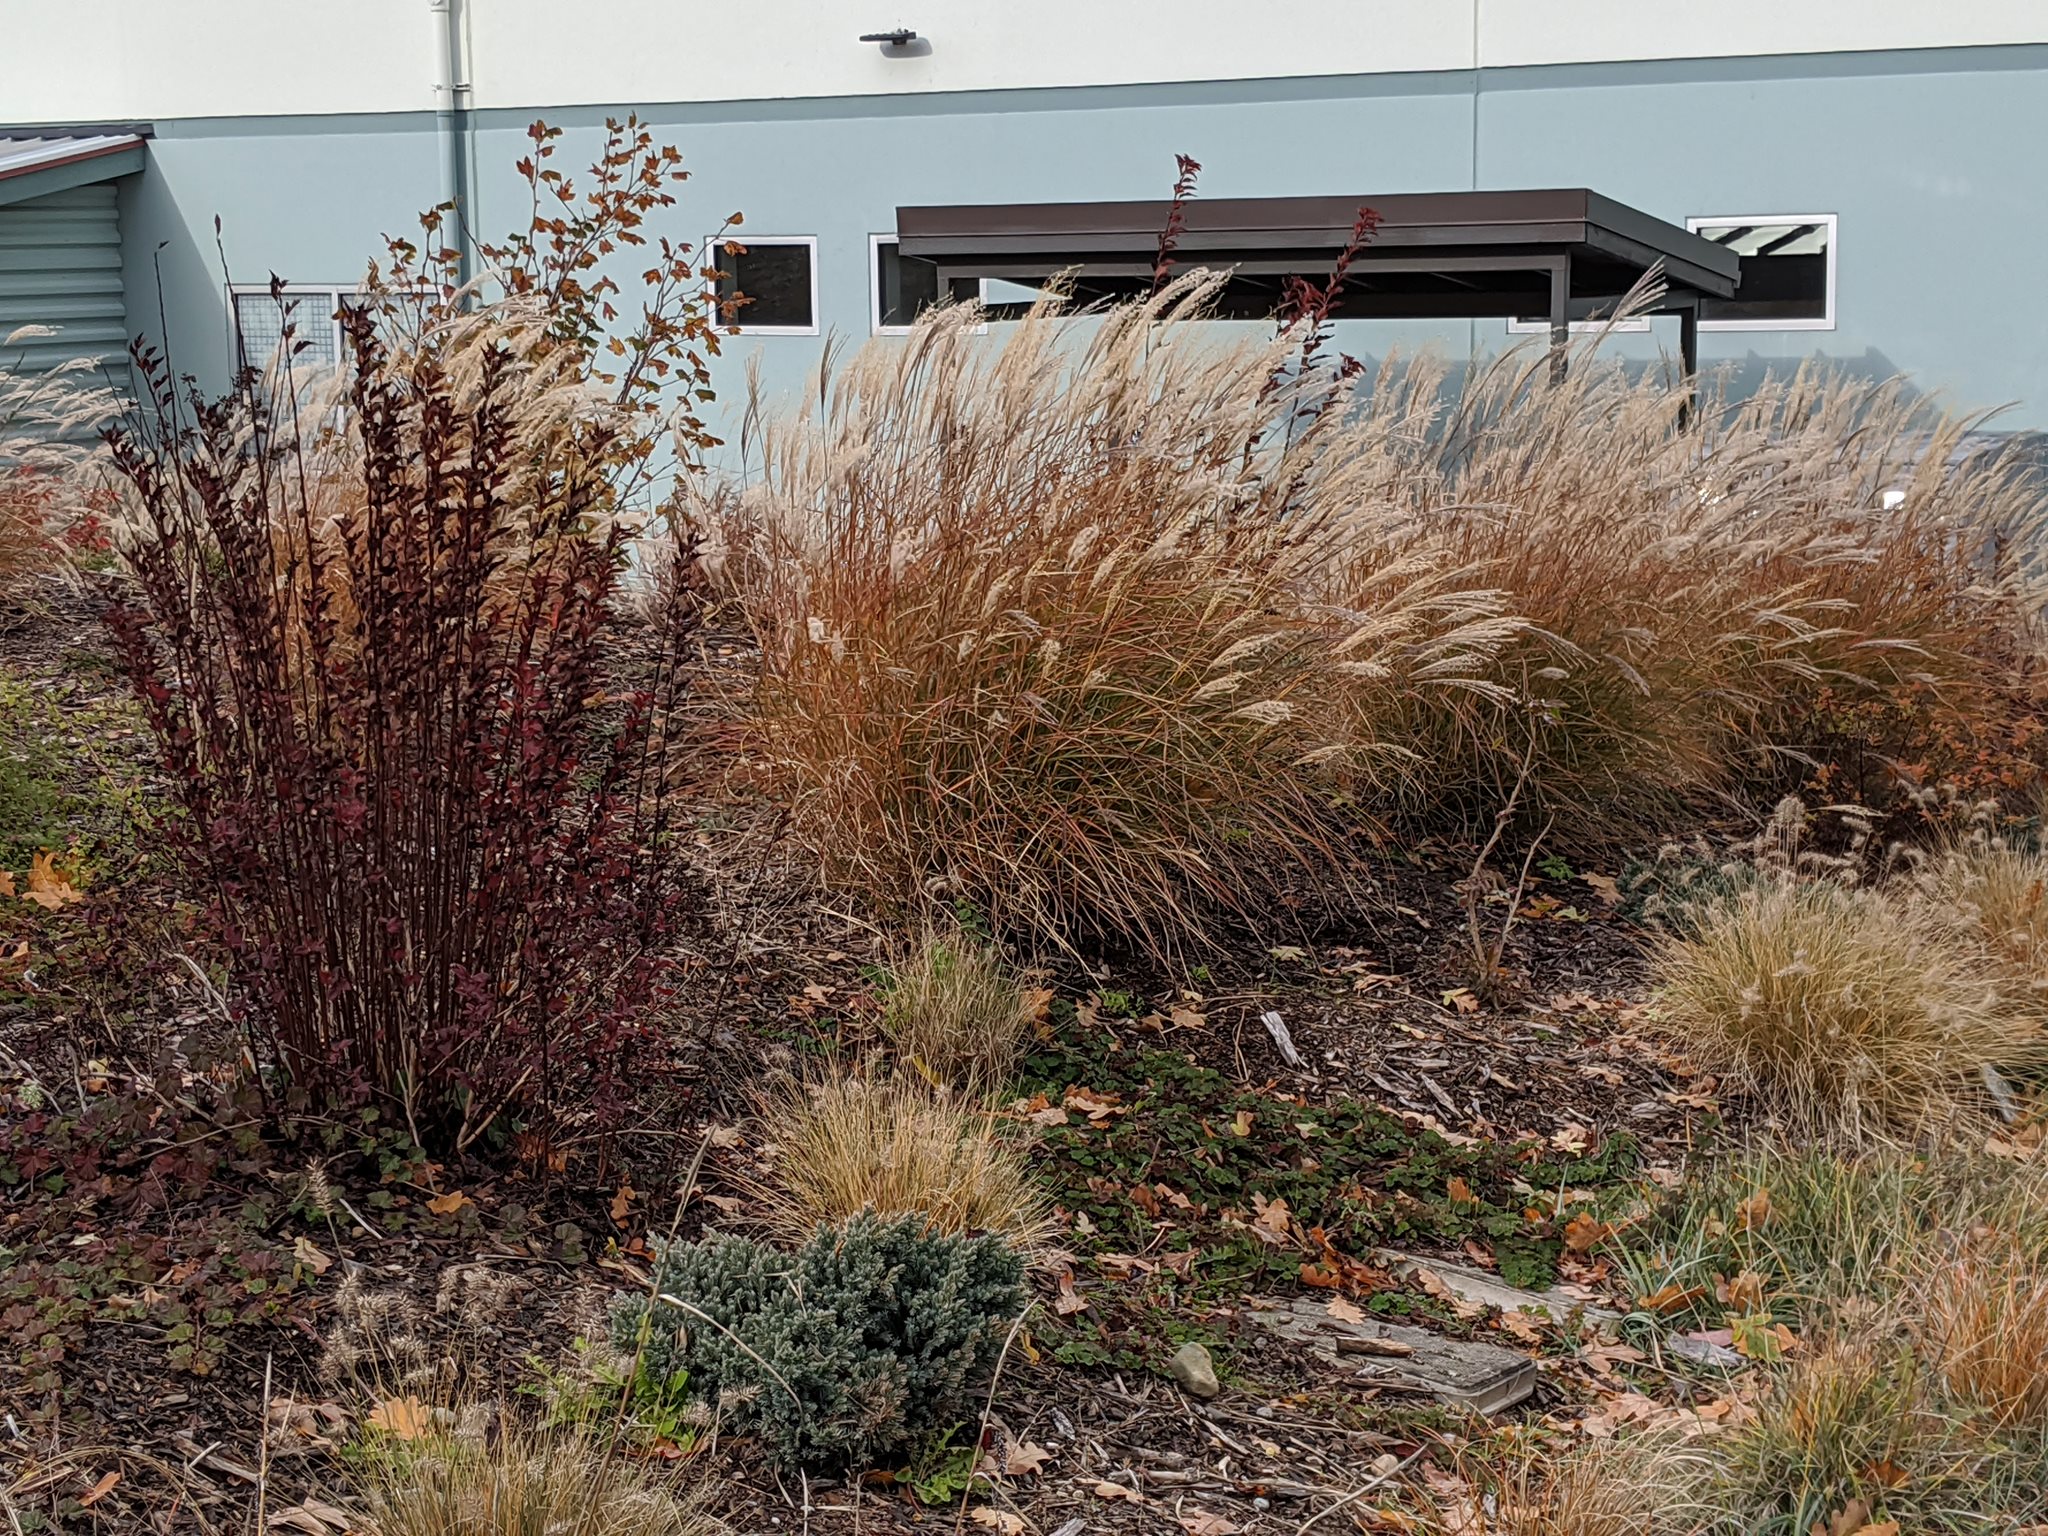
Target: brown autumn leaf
6	883
622	1204
313	1518
1458	1190
1753	1211
1585	1232
100	1489
1461	999
312	1258
1573	1139
1114	1491
1199	1522
1271	1223
1344	1310
49	887
1670	1297
1068	1301
1523	1325
1605	888
1098	1107
1745	1293
1024	1458
1887	1474
1001	1521
450	1203
406	1418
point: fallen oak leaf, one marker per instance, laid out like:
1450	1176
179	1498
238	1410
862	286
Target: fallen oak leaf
303	1252
449	1204
622	1204
1199	1522
1068	1301
314	1518
49	887
1001	1521
1585	1232
1670	1297
406	1418
1024	1459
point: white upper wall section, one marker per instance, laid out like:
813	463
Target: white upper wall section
121	60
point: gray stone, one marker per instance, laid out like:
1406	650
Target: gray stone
1195	1371
1479	1376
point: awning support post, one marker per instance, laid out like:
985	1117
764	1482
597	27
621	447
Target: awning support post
1560	316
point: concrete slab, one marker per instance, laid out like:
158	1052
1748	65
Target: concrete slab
1483	1377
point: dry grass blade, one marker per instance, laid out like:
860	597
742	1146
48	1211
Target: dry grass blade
896	1146
1983	1321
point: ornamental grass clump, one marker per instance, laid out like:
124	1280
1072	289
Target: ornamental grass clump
369	625
1845	1009
506	1477
1814	578
1116	626
874	1339
1067	630
953	1012
902	1148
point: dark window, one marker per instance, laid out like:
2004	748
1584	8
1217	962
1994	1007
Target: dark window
906	286
768	282
1787	268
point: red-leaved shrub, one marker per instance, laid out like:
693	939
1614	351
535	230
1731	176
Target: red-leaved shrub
372	633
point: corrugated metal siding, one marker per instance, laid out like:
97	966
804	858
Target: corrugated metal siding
60	265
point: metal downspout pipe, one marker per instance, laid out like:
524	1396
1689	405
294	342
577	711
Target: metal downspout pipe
451	112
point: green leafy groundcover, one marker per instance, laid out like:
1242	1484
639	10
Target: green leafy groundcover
1185	1159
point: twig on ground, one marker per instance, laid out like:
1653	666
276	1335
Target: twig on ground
1362	1489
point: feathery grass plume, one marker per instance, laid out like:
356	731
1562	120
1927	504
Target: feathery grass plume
50	419
1995	893
1084	626
1059	627
1847	1010
898	1147
370	632
954	1012
1708	609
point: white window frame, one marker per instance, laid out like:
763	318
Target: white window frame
334	292
1635	325
876	240
739	324
1827	320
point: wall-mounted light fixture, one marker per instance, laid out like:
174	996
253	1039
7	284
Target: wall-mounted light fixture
902	37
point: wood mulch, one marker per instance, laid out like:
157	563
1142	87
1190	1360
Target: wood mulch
1380	1010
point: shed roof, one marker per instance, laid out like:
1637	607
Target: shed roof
36	162
1434	255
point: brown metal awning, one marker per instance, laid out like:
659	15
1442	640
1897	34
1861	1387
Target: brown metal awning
1562	255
